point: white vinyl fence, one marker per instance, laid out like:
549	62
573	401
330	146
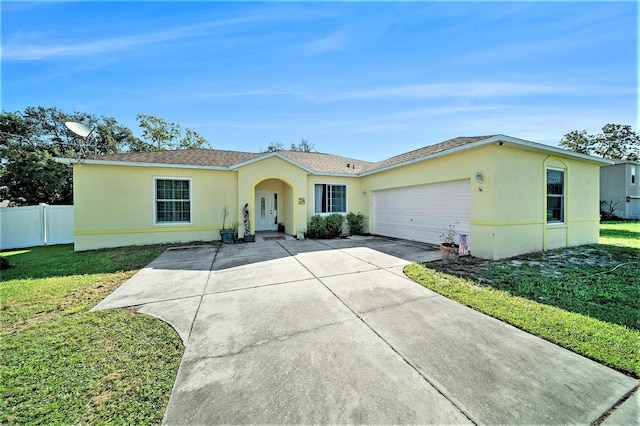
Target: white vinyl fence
30	226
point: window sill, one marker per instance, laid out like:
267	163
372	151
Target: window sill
557	224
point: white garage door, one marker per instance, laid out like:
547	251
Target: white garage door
420	213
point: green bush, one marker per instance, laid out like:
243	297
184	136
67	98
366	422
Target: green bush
334	225
4	263
317	227
356	223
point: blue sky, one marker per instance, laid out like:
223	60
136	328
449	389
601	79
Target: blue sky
363	80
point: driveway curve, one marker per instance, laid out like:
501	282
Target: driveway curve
333	332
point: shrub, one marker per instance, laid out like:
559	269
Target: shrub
356	223
317	227
331	226
4	263
334	225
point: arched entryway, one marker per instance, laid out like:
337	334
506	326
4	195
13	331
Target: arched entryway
274	206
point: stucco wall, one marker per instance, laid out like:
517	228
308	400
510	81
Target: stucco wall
114	205
464	165
271	171
508	209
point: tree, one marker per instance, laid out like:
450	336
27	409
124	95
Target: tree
578	141
616	141
274	147
303	146
30	141
159	135
31	175
111	137
192	139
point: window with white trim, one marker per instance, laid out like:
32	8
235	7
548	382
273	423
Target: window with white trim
172	200
330	198
555	196
633	175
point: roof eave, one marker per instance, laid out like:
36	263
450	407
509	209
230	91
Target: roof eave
535	146
74	161
508	140
438	154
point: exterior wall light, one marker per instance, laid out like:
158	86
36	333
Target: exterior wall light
364	192
479	177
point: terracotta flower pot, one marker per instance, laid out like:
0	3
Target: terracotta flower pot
450	253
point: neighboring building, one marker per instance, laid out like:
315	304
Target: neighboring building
510	196
620	189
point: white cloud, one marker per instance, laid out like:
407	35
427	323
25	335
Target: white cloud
331	42
20	50
471	90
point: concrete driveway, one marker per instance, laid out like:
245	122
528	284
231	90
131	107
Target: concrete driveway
333	332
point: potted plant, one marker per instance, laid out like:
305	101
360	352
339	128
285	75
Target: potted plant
226	234
448	246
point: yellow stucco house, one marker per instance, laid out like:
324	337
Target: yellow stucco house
509	196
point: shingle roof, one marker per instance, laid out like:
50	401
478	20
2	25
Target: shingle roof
427	150
328	163
316	161
192	157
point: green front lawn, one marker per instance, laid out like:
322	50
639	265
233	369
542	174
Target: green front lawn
586	299
626	234
62	364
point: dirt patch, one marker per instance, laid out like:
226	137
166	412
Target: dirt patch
103	397
553	263
466	267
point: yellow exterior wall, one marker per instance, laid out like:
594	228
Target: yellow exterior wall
271	172
114	205
464	165
508	210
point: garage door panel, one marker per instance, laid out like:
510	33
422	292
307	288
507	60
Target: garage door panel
420	213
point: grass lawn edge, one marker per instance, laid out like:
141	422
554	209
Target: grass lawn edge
610	344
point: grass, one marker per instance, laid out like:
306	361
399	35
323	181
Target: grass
60	363
626	234
585	299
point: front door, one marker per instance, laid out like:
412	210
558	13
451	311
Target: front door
266	211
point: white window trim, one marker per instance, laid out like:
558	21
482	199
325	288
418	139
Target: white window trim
346	198
564	197
633	175
155	201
